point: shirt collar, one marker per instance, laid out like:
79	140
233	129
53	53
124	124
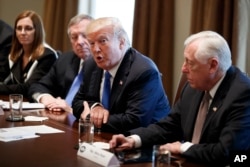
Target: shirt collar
216	86
115	68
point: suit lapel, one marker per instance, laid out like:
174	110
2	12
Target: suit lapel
191	116
95	82
218	99
16	72
72	71
120	78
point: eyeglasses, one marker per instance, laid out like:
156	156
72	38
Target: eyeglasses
25	28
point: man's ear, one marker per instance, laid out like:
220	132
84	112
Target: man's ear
122	43
214	65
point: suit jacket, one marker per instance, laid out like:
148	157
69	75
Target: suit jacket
6	32
227	126
137	96
19	81
60	77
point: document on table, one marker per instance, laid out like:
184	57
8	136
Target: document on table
35	118
26	105
25	132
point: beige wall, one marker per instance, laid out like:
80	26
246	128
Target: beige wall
9	9
182	27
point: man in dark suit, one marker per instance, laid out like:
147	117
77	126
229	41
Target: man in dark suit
6	32
137	97
53	88
226	129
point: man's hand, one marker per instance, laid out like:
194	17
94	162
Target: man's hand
47	99
174	147
98	115
55	104
120	142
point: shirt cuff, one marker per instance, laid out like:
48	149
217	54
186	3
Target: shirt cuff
39	96
137	140
96	104
185	146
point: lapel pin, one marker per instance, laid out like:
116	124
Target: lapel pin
214	109
120	82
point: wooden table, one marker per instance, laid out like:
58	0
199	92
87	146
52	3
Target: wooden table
52	150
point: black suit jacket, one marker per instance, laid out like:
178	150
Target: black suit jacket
227	126
60	77
19	81
137	96
6	32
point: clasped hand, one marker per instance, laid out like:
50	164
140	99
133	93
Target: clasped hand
98	114
55	104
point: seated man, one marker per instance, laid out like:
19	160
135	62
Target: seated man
53	88
226	128
136	96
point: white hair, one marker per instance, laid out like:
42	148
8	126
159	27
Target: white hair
211	44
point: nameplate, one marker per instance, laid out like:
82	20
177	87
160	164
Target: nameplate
97	155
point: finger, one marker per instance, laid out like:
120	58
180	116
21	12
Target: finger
115	140
105	117
86	105
86	110
112	142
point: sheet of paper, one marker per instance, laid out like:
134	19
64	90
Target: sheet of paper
25	132
40	129
12	134
44	129
26	105
35	118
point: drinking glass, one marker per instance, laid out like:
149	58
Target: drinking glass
16	106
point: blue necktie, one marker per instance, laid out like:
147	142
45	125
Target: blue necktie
74	87
106	90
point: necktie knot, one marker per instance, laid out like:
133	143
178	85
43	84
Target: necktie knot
107	75
207	96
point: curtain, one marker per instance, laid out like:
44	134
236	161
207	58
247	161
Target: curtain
57	14
243	42
153	35
220	16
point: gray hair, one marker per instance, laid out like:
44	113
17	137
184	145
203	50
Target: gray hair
118	29
211	44
77	19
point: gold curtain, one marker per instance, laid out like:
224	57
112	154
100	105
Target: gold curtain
153	35
217	15
57	14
